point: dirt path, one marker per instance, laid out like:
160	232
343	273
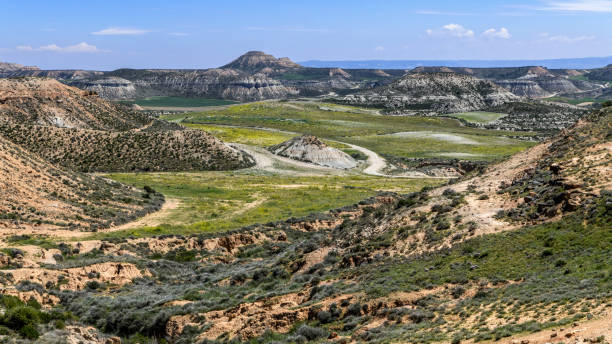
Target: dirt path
375	163
269	162
150	220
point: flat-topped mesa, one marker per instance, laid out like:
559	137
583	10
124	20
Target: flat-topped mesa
257	60
11	67
310	149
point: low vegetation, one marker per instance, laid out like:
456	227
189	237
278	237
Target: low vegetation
179	102
221	201
333	122
478	117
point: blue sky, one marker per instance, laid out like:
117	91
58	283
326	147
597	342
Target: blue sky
111	34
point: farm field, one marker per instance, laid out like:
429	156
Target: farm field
382	134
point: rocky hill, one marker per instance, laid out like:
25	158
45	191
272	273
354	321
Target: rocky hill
310	149
46	101
252	76
541	116
257	75
433	92
37	194
600	74
532	82
127	151
9	68
256	61
80	131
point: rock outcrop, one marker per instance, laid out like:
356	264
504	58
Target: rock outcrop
434	92
109	88
310	149
532	82
252	76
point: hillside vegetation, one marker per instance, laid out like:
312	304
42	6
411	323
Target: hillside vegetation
36	193
517	250
79	131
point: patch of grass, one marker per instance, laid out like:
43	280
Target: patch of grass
179	102
36	240
478	116
248	136
361	128
219	201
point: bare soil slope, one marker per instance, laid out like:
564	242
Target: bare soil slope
36	193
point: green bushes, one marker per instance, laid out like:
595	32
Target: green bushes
24	318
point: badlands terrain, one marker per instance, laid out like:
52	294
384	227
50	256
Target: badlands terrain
267	202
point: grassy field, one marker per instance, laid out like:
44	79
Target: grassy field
370	130
179	102
219	201
251	136
478	116
247	136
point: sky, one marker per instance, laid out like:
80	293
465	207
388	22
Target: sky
106	35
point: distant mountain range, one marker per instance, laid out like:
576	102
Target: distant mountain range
576	63
257	76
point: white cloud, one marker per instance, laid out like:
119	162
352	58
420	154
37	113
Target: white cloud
77	48
379	48
494	33
454	30
118	31
579	6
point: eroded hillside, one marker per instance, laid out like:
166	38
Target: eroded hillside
519	250
36	194
80	131
434	92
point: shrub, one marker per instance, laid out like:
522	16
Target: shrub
148	189
93	285
419	315
18	317
354	309
312	333
324	317
29	332
10	301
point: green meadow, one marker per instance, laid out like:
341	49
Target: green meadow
220	201
441	136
